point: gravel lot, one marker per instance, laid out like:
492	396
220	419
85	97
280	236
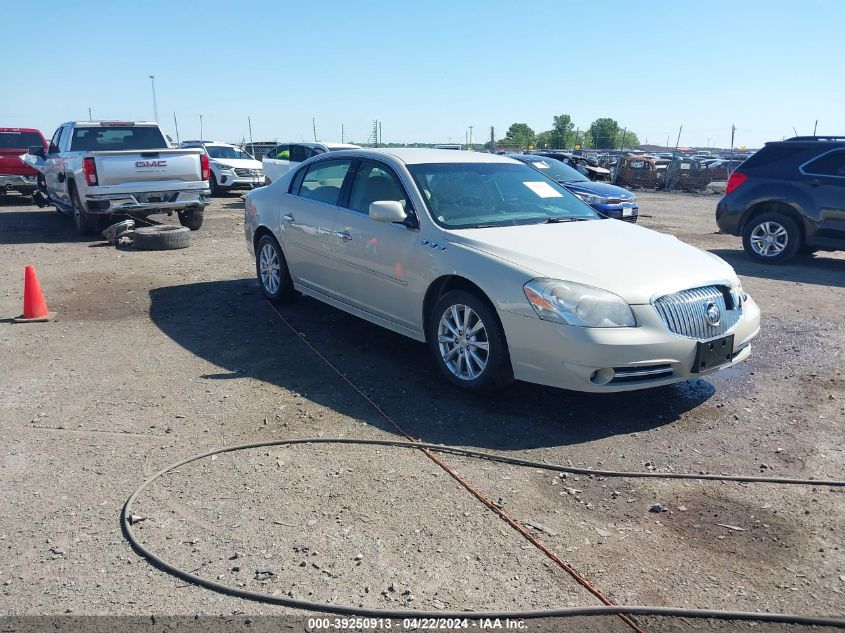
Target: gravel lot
156	356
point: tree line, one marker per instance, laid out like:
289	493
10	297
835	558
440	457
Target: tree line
603	133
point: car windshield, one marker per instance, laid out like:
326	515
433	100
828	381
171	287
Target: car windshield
19	140
555	169
224	152
476	195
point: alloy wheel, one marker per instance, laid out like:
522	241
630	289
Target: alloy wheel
270	268
769	239
463	343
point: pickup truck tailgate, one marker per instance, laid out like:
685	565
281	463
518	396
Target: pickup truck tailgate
170	167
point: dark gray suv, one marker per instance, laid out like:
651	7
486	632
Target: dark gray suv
787	198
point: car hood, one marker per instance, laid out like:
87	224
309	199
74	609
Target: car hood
240	163
628	260
593	188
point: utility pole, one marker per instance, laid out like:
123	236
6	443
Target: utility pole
380	137
201	136
176	125
470	138
314	126
815	127
733	131
678	142
251	144
341	134
375	133
155	103
622	144
89	114
492	140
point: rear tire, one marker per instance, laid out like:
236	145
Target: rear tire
191	219
468	343
271	269
771	238
86	224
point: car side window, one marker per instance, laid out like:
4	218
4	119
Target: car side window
299	153
296	183
54	142
373	183
280	152
831	164
324	180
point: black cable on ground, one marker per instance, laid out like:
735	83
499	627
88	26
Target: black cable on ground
782	618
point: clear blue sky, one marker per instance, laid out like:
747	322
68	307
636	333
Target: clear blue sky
429	69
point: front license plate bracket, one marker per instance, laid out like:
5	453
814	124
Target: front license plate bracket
710	355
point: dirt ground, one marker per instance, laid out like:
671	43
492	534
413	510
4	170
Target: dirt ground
156	356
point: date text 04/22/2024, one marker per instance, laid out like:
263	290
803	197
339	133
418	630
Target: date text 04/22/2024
424	624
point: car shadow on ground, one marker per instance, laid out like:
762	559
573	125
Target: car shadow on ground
819	269
230	324
37	226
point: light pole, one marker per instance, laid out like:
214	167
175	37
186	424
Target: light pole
201	136
155	103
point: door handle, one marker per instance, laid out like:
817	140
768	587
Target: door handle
288	217
344	235
815	183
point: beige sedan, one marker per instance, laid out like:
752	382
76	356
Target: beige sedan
500	270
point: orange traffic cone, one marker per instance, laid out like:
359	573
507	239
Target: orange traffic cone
34	306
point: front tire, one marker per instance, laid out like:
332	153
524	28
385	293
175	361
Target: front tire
271	268
212	184
467	343
771	238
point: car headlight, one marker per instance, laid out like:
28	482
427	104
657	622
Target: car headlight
591	199
221	166
575	304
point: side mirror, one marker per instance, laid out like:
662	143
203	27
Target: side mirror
37	150
387	211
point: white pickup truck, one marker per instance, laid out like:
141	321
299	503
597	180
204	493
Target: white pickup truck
94	170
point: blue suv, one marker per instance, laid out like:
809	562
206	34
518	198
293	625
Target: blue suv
607	200
787	198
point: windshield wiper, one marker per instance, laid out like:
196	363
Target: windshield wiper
559	220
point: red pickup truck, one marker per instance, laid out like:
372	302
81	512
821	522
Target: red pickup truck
15	175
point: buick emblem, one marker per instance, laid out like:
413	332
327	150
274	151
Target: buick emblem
712	314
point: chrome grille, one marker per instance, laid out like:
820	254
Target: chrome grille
684	312
247	172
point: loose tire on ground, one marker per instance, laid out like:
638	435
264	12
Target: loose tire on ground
785	234
191	219
161	238
271	269
497	371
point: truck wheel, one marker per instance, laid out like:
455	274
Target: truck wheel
191	219
162	237
771	238
85	223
